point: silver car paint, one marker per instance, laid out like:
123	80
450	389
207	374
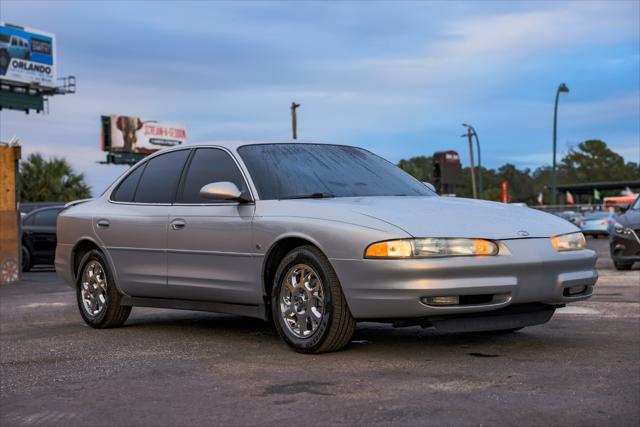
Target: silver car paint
220	253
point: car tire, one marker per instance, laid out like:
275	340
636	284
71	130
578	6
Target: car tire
622	267
316	316
97	295
26	259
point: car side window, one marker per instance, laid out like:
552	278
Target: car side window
160	178
126	190
209	165
28	220
46	218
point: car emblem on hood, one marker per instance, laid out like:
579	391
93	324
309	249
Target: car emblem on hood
523	233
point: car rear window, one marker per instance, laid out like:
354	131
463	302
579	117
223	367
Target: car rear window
127	188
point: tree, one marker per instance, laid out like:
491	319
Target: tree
50	180
593	161
420	167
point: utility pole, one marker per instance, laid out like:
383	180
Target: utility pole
473	169
294	120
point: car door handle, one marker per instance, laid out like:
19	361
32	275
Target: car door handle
103	223
178	224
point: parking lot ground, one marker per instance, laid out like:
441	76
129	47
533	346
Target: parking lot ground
189	368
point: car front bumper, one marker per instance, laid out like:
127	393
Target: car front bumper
596	230
525	271
625	248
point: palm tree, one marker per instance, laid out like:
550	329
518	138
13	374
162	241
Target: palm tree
50	180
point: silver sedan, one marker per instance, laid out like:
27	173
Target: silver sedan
314	237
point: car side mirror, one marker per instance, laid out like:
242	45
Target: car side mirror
223	190
430	186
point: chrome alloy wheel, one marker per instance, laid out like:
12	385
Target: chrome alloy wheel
302	300
94	289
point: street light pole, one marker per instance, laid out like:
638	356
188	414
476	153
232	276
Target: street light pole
554	178
475	134
473	171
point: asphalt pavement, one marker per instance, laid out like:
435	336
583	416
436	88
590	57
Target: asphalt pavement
190	368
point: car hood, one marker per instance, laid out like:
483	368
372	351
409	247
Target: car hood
456	217
630	219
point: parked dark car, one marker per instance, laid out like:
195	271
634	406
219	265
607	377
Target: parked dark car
625	238
39	236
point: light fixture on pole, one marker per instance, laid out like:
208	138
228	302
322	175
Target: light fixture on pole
554	178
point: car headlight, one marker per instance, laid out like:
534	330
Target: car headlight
569	242
431	247
621	229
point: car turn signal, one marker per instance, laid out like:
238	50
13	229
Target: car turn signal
431	247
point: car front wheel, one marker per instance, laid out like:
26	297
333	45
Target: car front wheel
98	298
307	303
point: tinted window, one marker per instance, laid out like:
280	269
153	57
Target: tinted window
127	188
160	178
209	165
290	170
28	220
46	218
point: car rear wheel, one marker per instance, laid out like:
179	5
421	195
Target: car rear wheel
26	259
622	267
307	303
98	298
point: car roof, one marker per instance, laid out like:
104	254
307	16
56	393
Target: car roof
234	145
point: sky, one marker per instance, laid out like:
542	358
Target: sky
398	78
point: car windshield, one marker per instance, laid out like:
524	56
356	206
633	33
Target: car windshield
293	170
636	204
4	38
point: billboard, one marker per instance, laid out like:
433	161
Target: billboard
27	55
130	134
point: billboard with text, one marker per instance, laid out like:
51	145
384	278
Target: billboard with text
131	134
27	56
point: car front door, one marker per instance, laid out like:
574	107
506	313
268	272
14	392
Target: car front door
210	244
133	224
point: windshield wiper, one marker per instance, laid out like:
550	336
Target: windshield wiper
309	196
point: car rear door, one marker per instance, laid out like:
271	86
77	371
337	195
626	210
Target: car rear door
133	224
210	247
42	234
